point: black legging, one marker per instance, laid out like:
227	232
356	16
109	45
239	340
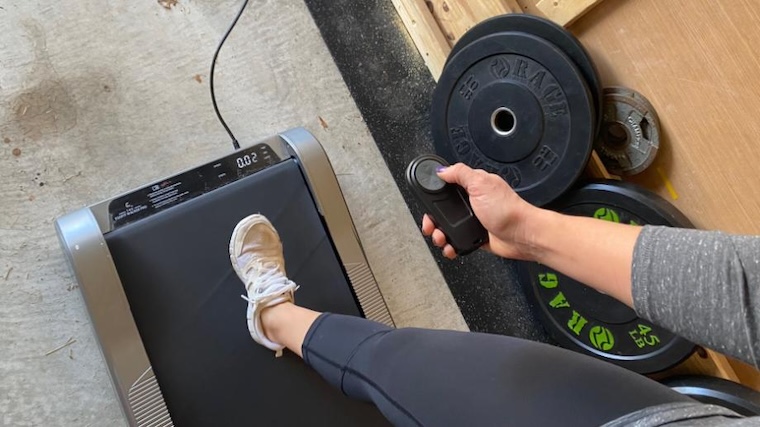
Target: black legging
426	377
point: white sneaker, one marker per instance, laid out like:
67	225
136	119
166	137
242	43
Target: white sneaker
256	255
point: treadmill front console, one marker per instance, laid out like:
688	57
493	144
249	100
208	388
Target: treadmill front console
154	269
188	185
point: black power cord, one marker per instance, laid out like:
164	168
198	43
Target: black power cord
235	142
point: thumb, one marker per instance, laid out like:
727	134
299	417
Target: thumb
458	173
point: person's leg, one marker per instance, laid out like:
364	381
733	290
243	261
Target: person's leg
288	325
430	377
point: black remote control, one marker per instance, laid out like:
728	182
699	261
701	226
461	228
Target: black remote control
447	204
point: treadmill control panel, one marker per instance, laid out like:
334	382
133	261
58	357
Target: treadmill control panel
180	188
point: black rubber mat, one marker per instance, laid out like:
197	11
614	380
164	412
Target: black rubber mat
392	88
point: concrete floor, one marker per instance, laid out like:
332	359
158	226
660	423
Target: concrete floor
99	97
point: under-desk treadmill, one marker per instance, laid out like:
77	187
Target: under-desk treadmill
154	269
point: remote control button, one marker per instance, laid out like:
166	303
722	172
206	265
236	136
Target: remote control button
426	175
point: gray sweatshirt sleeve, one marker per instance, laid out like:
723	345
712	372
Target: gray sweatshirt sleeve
702	285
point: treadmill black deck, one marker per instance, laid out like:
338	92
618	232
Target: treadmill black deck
185	299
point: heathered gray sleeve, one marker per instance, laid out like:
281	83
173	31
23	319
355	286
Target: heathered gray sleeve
702	285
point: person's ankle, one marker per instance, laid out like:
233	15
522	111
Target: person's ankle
271	318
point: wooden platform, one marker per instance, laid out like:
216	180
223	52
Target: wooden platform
695	60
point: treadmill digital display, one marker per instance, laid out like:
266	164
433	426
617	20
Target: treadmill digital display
172	191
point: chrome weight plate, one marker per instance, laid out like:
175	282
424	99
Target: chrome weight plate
629	137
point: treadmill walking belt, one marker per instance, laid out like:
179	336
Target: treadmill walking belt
185	299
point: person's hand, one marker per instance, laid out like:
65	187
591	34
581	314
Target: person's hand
501	211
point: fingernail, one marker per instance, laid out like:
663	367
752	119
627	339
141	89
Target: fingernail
440	169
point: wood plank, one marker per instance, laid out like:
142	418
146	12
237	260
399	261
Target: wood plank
435	25
529	6
701	55
425	33
456	17
596	168
512	5
564	12
702	362
698	70
747	374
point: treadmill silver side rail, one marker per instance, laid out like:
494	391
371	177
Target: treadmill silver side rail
131	372
323	184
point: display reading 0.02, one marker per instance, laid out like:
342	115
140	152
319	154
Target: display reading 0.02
246	160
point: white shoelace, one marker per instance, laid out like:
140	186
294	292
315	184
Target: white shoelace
268	285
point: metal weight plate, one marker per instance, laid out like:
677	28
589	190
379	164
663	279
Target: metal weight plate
582	319
515	105
548	31
630	133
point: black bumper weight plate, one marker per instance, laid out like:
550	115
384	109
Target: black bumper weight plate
548	31
584	320
515	105
717	391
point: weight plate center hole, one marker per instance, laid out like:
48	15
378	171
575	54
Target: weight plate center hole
616	135
503	121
